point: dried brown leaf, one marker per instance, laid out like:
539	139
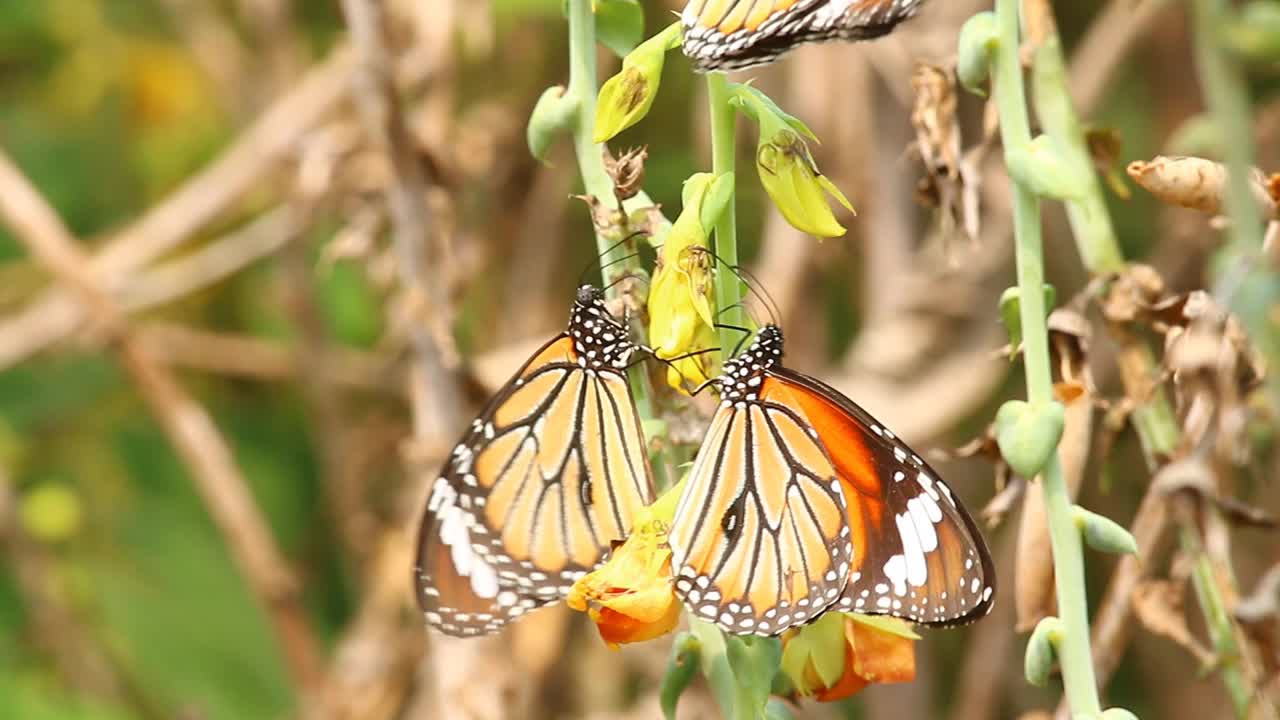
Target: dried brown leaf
1158	605
950	181
1195	183
626	171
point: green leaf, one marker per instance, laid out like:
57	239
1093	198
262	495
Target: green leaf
887	624
755	660
1011	311
1118	714
717	198
619	24
978	41
685	652
1042	651
551	117
1104	534
778	709
1043	167
765	111
1028	434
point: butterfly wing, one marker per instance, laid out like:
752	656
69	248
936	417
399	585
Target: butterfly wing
549	474
759	539
917	554
733	34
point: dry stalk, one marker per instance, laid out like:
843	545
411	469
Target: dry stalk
193	433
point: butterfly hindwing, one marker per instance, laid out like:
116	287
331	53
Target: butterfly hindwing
734	34
546	478
759	540
799	501
917	554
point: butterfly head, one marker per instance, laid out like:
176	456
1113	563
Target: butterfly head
741	377
599	340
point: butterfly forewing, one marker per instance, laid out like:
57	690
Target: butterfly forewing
917	553
759	540
549	474
732	34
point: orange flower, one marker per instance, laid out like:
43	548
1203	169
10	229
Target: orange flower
630	597
841	654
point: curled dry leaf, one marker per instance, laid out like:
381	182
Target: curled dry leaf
603	217
1195	479
1158	605
1259	614
1195	183
984	446
1003	502
1104	149
950	182
1132	293
626	171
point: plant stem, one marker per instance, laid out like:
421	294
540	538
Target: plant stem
1090	222
596	182
1153	420
1222	629
1223	83
724	120
582	90
1073	651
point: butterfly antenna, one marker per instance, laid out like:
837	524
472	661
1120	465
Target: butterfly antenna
753	285
746	334
582	277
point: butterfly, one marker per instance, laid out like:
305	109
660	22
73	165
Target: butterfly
547	477
799	501
735	34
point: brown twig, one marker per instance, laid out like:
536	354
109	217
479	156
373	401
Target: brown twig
437	406
265	360
193	433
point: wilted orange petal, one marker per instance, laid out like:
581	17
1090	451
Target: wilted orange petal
879	656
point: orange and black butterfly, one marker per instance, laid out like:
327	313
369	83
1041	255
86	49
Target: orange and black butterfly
732	34
799	502
547	477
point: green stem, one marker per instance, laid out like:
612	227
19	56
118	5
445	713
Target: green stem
1222	630
1088	216
1068	559
596	181
582	90
1223	83
723	154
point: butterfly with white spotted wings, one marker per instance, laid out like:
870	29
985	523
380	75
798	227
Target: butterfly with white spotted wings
799	502
735	34
550	473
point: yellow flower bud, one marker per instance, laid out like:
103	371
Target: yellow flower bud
680	317
625	98
792	180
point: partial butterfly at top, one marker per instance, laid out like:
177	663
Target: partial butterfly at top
547	477
800	502
734	34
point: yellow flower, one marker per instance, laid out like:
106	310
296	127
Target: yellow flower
625	98
630	597
840	654
680	317
792	180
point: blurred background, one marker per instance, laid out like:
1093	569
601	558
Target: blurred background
208	477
